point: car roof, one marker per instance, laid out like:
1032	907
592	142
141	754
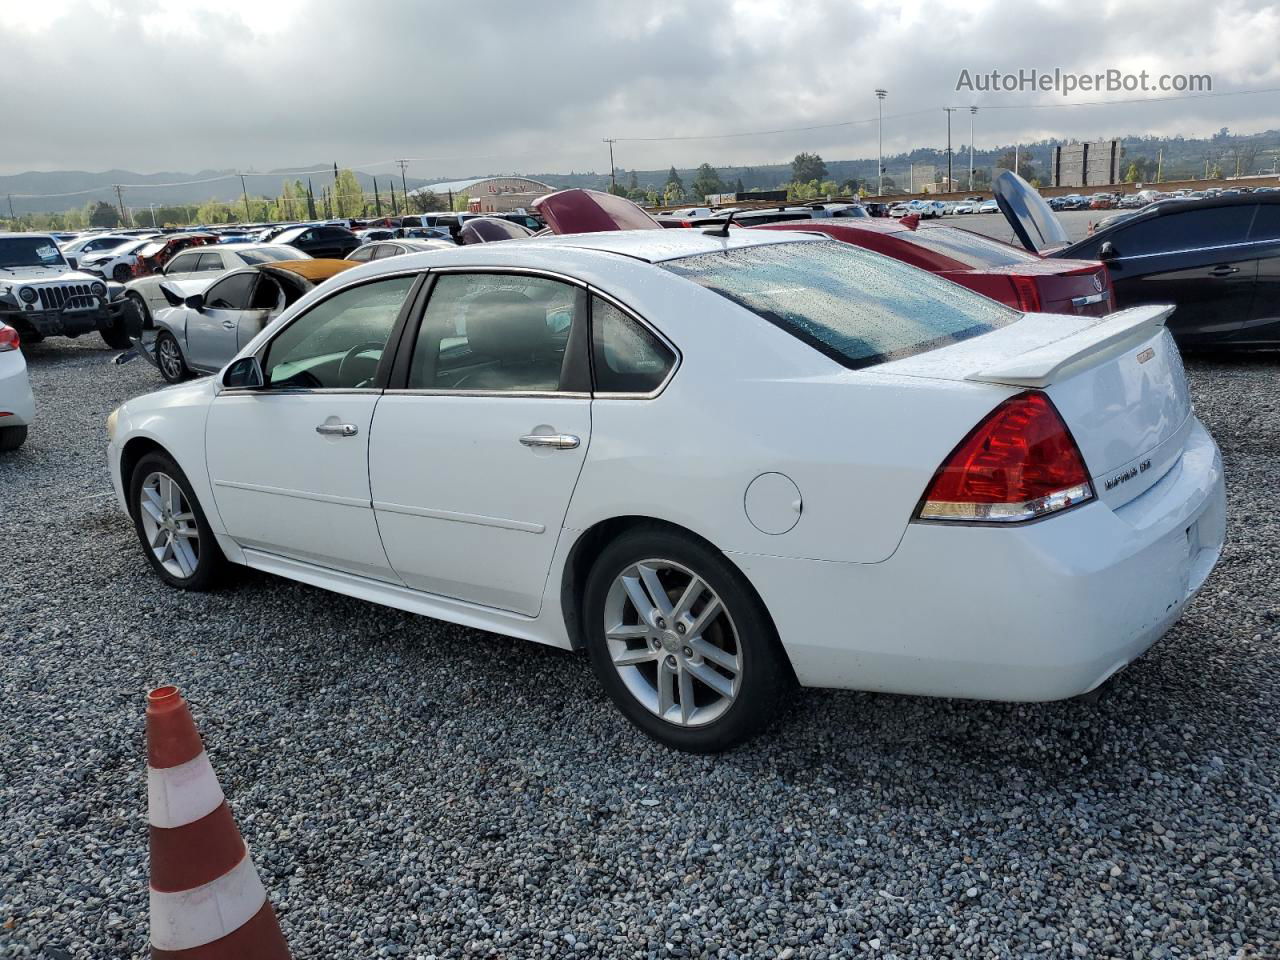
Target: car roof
657	246
315	271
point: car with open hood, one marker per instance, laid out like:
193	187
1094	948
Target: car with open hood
1217	259
209	320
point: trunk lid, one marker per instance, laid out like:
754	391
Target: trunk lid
1033	222
1117	381
1066	286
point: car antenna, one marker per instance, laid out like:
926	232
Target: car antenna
722	231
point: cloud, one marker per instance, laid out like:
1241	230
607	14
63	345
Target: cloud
488	86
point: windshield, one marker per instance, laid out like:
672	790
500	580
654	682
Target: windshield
855	306
29	252
270	254
971	249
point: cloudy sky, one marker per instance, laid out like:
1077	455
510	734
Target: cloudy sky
488	86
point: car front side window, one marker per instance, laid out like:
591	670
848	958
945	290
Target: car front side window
231	293
338	343
496	333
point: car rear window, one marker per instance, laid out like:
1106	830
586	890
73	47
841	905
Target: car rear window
268	254
971	249
855	306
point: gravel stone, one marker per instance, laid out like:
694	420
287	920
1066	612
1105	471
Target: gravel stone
414	789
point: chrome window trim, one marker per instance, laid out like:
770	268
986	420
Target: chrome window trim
679	357
258	391
520	271
543	394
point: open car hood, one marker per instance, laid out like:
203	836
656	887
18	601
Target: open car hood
1034	224
590	211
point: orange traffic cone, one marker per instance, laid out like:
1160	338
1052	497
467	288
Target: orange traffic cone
207	902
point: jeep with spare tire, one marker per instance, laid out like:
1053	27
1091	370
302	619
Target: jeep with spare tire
42	296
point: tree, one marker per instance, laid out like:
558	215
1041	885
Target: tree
617	189
806	167
738	187
423	200
674	193
707	181
348	195
216	211
674	178
102	214
1026	169
460	202
632	182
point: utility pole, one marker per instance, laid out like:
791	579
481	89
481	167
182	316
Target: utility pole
1015	158
12	215
153	214
1159	164
404	186
245	193
973	111
124	216
613	177
949	111
880	95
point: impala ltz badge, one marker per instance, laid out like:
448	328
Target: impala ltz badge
1097	283
1146	354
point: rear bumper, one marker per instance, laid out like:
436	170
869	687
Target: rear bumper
17	406
1043	611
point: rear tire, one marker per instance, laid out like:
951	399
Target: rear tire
121	274
11	438
698	669
169	358
171	525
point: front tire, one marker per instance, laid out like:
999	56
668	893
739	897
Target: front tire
121	273
169	358
11	438
681	643
171	525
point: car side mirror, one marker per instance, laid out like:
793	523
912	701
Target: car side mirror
1107	251
195	302
244	374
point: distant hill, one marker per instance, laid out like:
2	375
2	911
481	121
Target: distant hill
60	190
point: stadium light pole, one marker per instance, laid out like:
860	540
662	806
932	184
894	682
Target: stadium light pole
950	183
880	95
973	111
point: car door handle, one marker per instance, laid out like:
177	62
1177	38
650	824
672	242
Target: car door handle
337	429
1223	271
557	441
229	324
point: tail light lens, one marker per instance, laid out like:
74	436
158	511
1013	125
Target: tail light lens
8	339
1019	463
1028	295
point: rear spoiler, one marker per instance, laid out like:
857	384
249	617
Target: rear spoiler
1111	336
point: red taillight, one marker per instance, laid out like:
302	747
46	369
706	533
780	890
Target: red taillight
8	338
1019	463
1024	288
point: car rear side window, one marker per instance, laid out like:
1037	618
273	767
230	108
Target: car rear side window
501	333
628	357
1266	222
857	307
971	249
1184	230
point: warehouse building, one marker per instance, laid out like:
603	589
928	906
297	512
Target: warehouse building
489	194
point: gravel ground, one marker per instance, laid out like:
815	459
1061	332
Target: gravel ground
415	789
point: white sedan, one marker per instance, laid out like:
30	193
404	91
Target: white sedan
720	464
17	407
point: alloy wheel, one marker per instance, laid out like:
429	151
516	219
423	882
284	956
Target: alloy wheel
169	357
673	642
169	524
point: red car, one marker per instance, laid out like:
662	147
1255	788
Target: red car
1002	272
153	256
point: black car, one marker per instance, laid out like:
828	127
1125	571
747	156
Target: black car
1216	259
322	242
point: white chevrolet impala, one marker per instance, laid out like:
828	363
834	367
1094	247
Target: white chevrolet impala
721	465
